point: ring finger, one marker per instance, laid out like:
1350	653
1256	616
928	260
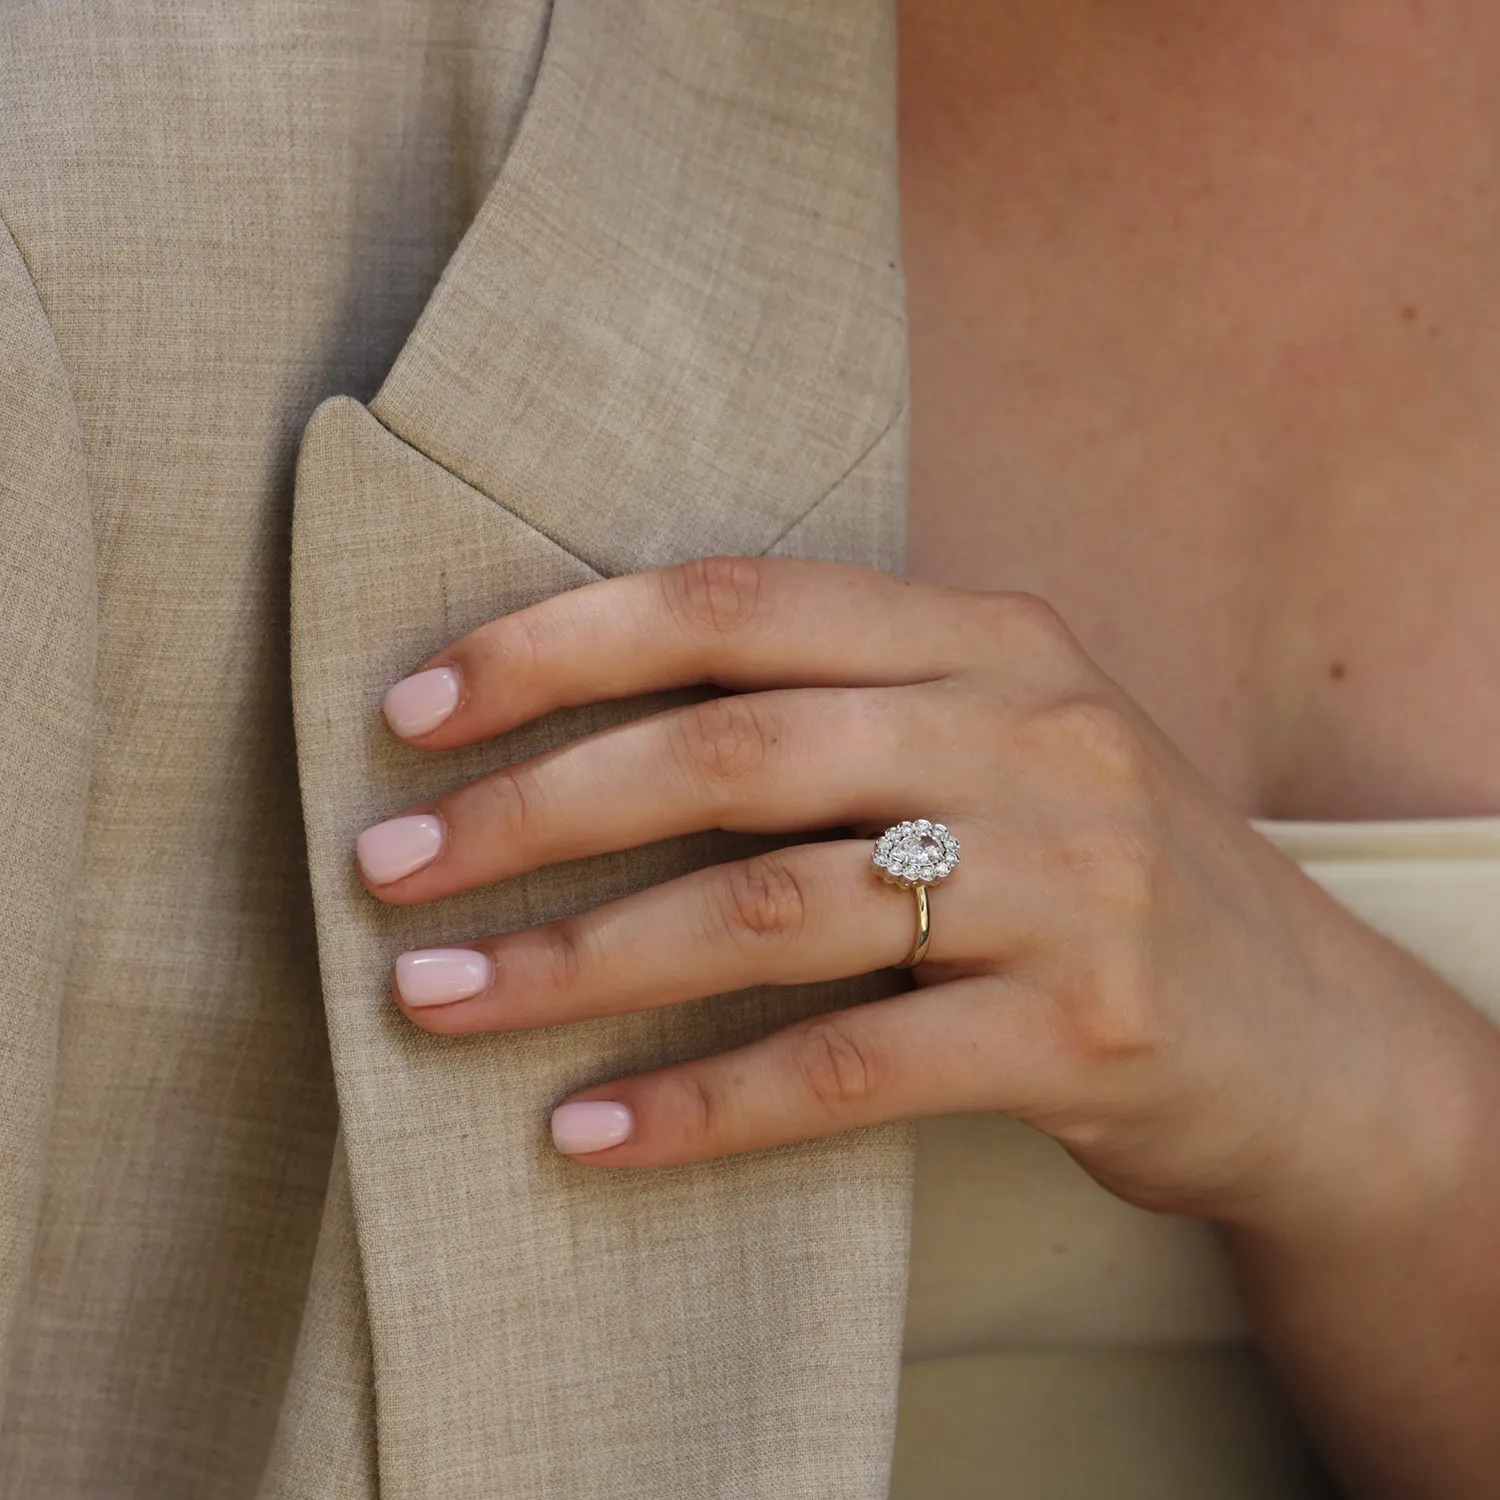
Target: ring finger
796	915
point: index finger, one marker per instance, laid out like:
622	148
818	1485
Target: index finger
738	622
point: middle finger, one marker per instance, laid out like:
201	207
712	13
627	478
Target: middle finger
784	761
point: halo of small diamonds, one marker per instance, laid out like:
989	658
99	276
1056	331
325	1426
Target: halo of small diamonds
915	853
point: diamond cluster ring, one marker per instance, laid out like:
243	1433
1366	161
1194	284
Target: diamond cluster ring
916	855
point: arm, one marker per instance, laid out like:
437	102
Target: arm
1380	1306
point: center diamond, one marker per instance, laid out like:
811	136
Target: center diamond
922	847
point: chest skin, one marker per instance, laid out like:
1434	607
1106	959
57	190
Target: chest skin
1205	348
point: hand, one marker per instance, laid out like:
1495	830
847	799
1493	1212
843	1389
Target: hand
1120	960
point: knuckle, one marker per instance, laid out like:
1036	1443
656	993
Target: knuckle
1110	1014
510	805
1029	619
1108	742
520	644
728	740
1096	745
517	647
838	1067
562	956
714	595
763	900
691	1105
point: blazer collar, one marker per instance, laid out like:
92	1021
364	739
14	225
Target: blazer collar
677	320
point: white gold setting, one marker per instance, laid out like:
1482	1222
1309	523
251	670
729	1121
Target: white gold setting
916	853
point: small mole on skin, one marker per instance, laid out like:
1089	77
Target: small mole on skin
1338	671
1408	314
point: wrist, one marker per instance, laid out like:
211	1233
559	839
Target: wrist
1400	1118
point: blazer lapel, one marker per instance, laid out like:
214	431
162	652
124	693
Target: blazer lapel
674	328
48	658
677	320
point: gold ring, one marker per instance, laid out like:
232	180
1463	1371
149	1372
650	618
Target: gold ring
924	929
916	855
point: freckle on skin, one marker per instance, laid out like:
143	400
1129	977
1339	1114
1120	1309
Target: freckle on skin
1338	671
1408	314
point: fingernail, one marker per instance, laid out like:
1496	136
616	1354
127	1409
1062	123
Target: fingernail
590	1126
439	976
399	846
419	703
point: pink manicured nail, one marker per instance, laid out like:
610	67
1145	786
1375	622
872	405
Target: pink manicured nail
590	1126
399	847
439	976
418	704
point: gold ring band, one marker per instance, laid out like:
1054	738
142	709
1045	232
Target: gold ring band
924	930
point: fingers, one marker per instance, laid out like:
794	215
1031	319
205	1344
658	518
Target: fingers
849	705
975	1044
736	621
797	915
752	762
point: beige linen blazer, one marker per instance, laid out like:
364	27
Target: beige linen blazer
328	330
